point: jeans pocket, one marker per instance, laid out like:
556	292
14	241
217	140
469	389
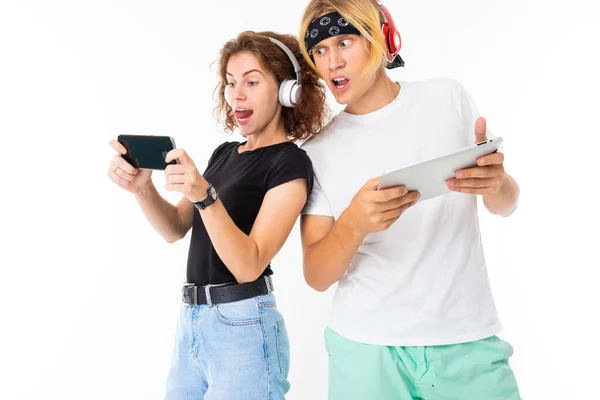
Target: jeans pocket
238	313
283	348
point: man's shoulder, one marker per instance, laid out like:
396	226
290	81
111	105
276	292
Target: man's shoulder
436	94
435	85
322	137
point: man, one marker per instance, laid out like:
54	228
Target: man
413	316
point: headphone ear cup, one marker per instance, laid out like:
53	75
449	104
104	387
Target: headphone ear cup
288	92
385	28
395	42
392	40
296	90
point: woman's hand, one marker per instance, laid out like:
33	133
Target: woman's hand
184	176
123	174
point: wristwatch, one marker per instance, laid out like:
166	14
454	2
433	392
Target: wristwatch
210	199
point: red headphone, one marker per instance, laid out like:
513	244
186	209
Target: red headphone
390	33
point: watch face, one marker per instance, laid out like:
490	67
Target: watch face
213	193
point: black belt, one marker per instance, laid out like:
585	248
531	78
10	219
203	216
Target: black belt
193	295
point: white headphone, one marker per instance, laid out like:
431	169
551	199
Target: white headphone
289	90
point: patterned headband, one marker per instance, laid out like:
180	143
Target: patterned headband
326	26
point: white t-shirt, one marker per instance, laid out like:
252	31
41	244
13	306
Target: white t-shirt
423	281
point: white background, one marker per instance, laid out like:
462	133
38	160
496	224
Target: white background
89	293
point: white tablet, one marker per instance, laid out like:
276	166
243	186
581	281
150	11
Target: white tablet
429	177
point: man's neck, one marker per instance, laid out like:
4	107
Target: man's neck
379	94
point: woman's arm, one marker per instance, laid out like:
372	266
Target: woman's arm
247	256
171	222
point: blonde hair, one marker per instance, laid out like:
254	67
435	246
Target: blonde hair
362	14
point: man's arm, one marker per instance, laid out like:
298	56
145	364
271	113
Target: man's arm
329	246
506	199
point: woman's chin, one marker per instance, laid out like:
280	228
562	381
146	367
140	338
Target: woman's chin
246	131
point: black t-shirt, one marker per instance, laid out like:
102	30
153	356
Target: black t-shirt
242	180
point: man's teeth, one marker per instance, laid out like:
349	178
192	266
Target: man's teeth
338	81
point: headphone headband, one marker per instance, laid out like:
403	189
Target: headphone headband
289	89
291	56
391	36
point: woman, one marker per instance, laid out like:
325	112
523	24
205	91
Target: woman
231	342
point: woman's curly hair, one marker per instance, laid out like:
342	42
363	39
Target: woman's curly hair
308	116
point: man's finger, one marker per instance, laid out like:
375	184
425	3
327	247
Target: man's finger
485	191
399	201
384	195
480	130
395	213
491	159
472	183
480	172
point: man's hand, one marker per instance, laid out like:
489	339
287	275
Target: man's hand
485	179
373	210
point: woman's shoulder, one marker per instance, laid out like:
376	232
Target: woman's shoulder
292	152
221	149
290	163
226	145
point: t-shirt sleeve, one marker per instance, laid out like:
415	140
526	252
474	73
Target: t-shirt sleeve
291	165
218	151
469	116
317	203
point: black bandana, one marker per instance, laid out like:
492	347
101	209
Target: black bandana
325	26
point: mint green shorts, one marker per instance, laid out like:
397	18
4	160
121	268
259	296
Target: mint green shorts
468	371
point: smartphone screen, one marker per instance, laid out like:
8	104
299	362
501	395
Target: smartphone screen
147	152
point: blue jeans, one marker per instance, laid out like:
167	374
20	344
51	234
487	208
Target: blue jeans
230	351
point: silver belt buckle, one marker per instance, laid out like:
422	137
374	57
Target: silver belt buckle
269	283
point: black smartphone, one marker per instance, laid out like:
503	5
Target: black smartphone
147	151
